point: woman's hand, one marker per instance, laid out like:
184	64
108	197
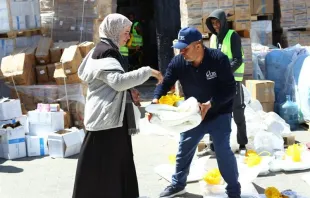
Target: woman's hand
158	76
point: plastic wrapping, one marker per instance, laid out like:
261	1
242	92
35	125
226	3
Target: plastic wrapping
261	32
24	15
74	19
296	82
71	98
282	62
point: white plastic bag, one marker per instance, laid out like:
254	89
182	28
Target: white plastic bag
176	119
266	141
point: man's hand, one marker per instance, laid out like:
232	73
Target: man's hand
204	108
155	101
136	97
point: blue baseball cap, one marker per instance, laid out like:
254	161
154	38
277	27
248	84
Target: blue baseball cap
186	36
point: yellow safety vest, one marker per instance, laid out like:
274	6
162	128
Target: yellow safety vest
137	39
123	50
226	49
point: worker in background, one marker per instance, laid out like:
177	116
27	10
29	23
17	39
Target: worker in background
124	52
205	75
136	42
229	42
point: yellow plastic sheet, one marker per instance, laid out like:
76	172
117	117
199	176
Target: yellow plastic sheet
213	177
295	152
253	159
170	99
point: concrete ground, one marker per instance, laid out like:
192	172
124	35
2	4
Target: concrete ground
44	177
53	178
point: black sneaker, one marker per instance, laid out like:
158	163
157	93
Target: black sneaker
172	191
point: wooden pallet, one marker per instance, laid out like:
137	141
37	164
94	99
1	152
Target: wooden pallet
21	33
305	126
10	34
261	17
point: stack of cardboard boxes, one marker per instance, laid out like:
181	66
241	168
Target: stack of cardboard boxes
42	132
13	19
68	20
263	91
295	13
51	65
247	51
13	127
191	14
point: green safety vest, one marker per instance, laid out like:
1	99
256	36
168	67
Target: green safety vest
137	39
123	50
226	49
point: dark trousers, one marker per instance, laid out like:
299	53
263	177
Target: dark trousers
238	115
219	129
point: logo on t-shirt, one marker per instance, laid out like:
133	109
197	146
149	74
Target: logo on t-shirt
210	75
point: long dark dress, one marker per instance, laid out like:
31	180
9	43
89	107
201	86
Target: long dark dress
106	166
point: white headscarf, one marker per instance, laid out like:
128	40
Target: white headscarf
112	26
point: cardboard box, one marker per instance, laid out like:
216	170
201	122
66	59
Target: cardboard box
85	47
229	7
58	48
242	25
36	146
10	109
259	7
67	120
12	143
61	77
243	12
42	75
19	66
301	19
304	38
50	71
43	50
44	123
261	90
268	106
65	143
22	119
71	59
289	139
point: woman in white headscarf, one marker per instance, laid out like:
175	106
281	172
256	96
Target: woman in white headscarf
106	167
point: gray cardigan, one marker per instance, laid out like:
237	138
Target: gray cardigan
106	94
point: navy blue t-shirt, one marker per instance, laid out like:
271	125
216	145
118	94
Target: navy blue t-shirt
212	81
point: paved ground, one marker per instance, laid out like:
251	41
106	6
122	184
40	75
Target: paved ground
53	178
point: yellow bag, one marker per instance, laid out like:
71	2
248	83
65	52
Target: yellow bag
295	152
272	192
253	159
213	177
170	99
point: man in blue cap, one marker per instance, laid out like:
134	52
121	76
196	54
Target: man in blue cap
206	75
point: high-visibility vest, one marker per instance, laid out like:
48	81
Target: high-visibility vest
123	50
226	49
137	39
